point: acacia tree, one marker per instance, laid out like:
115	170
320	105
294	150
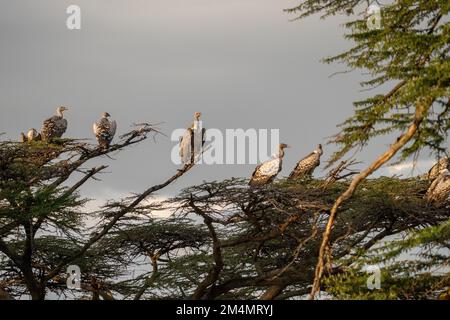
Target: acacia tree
412	268
43	225
254	243
409	54
262	243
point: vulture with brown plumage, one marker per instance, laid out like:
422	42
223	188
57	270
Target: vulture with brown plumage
307	165
443	163
55	126
104	130
439	191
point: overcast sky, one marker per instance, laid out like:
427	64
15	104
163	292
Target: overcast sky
242	63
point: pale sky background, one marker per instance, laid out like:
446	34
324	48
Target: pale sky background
242	63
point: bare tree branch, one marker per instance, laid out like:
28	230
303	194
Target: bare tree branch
421	109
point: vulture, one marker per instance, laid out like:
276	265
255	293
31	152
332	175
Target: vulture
32	135
443	163
23	138
266	172
104	130
191	143
306	166
439	191
55	126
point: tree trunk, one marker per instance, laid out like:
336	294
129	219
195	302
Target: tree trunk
36	291
422	108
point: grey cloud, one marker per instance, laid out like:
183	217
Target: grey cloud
241	63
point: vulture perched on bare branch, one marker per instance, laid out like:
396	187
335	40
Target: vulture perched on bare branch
307	165
266	172
32	135
104	130
439	191
443	163
191	143
55	126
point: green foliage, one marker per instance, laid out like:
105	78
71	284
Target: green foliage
223	240
270	235
416	267
226	240
44	223
409	53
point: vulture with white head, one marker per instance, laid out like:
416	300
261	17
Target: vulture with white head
307	165
104	130
192	142
266	172
55	126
